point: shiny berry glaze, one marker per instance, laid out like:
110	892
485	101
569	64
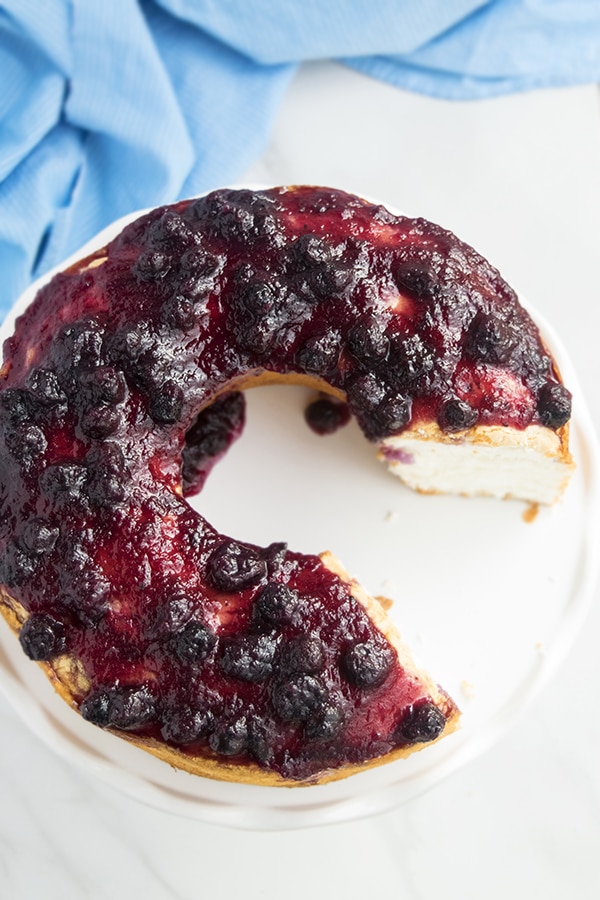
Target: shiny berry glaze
186	635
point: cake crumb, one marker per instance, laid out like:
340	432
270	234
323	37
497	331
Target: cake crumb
468	689
530	514
391	516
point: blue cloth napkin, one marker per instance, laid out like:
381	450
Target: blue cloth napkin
111	106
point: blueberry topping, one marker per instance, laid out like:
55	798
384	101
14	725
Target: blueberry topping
248	657
310	252
367	664
303	654
179	311
125	707
212	431
456	415
423	722
326	415
258	316
255	298
415	276
186	724
106	466
490	339
167	403
319	355
42	637
365	393
277	605
99	422
104	385
261	737
15	405
151	265
233	566
409	360
45	387
230	738
38	537
368	342
16	566
326	722
298	698
193	642
77	346
170	617
554	405
64	483
26	443
274	556
242	216
171	233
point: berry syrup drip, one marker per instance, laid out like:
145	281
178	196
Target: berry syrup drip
106	422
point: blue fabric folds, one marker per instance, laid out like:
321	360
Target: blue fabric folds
107	107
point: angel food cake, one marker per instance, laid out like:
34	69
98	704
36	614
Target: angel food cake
122	386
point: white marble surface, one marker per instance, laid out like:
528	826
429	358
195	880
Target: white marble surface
519	178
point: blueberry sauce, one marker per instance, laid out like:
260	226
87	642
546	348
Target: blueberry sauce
120	391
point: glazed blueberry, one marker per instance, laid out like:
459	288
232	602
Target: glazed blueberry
99	422
103	385
151	265
125	707
26	443
261	737
423	722
303	654
64	483
179	311
42	637
171	233
274	556
211	432
38	537
106	479
298	698
391	415
326	722
193	642
169	617
230	738
248	657
166	404
554	405
234	567
310	252
415	275
77	346
456	415
326	415
186	724
45	387
241	216
409	360
15	405
255	299
367	664
368	342
490	339
378	414
365	393
277	605
319	355
16	566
